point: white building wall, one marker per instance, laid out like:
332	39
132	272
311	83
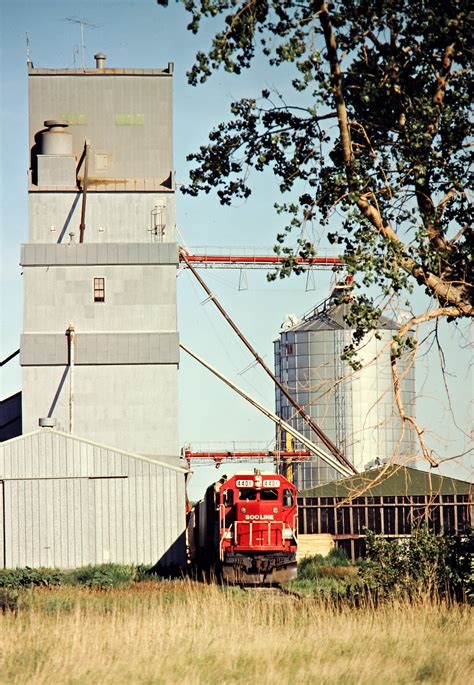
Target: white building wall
126	348
67	502
125	114
110	405
137	298
111	217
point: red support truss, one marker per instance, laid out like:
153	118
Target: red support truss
256	259
247	455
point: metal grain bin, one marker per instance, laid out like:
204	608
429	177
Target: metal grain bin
355	409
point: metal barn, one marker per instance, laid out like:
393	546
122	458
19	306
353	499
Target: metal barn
66	502
391	501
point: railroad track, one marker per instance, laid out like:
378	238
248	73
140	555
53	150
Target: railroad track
273	589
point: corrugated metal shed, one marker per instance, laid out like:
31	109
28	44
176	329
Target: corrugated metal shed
67	502
392	480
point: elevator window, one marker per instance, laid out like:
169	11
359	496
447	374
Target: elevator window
99	289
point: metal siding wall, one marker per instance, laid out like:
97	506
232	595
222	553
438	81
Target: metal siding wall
172	516
152	521
160	517
114	487
143	151
140	158
371	427
51	349
152	390
139	509
77	515
91	254
113	219
138	299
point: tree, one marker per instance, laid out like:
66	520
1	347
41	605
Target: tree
377	132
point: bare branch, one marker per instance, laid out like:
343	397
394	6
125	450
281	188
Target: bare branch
414	321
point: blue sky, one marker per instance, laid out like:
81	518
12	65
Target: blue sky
141	34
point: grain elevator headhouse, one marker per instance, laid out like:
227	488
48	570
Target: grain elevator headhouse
99	350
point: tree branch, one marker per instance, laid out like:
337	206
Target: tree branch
442	80
336	80
443	291
422	183
394	355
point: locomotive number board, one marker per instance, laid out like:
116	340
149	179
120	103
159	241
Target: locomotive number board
272	483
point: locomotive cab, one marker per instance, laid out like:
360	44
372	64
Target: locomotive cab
257	528
244	530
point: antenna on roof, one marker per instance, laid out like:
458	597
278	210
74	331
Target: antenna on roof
28	51
82	23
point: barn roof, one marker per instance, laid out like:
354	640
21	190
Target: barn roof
392	480
43	438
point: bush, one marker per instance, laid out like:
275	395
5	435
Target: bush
317	566
102	577
424	563
26	577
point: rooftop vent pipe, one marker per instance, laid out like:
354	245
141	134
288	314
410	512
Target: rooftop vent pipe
47	422
100	60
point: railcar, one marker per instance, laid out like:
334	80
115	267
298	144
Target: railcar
245	529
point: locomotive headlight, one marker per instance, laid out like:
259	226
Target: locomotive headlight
275	510
243	510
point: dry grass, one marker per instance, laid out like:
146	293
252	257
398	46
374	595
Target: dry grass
182	632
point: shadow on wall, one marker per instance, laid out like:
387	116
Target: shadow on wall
35	151
173	562
10	417
58	392
69	217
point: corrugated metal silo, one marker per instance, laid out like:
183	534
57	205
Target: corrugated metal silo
355	409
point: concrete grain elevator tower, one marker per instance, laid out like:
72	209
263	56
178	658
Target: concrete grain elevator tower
99	350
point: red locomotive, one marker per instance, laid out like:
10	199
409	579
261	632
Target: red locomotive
244	530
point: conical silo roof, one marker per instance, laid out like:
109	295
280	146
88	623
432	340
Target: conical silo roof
331	317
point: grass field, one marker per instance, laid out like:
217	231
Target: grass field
186	632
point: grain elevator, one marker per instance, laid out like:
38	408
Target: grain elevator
96	476
99	350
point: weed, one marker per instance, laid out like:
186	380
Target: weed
9	599
180	631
